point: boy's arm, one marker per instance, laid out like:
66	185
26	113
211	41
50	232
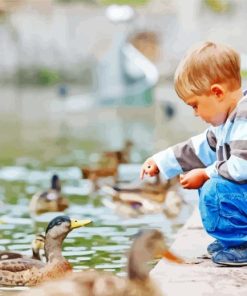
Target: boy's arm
197	152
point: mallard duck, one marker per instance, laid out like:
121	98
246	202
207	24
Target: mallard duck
137	198
37	245
94	173
146	247
130	204
50	200
120	156
155	191
107	165
29	272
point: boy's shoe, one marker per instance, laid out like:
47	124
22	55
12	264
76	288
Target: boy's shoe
234	256
215	246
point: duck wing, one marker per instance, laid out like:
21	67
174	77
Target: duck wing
35	274
20	264
9	255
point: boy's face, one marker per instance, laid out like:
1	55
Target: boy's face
209	108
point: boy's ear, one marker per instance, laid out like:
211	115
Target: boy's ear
218	91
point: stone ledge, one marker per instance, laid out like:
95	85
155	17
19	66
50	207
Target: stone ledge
200	277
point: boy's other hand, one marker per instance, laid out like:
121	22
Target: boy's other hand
193	179
149	168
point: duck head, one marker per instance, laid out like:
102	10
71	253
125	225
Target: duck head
62	225
56	232
147	246
55	183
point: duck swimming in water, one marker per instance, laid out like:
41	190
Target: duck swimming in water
147	246
37	245
30	272
50	200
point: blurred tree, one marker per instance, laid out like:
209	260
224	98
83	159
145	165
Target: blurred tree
244	74
47	76
218	6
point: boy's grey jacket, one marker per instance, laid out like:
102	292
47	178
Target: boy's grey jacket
222	150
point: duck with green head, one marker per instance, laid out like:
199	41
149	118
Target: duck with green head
29	272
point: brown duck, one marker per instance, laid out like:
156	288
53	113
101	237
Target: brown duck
147	246
108	165
155	191
29	272
50	200
37	245
120	156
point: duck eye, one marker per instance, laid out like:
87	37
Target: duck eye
59	222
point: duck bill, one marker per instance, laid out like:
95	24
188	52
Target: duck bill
79	223
171	257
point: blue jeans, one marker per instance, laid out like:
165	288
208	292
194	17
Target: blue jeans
223	209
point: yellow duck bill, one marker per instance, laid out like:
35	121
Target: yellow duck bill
75	223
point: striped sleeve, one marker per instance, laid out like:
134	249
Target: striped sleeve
235	167
197	152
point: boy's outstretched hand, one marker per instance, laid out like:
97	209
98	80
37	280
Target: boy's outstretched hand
149	168
193	179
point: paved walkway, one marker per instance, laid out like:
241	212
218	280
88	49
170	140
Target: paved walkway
200	276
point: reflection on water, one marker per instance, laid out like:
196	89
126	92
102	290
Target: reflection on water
30	154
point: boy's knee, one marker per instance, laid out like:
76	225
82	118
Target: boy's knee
214	185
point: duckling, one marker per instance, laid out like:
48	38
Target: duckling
50	200
37	245
30	272
147	246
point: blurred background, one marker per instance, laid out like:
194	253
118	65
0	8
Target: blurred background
79	78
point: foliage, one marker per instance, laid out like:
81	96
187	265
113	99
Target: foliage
46	76
37	76
218	6
244	73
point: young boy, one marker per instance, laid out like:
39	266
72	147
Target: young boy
215	162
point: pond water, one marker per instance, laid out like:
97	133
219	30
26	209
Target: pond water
33	149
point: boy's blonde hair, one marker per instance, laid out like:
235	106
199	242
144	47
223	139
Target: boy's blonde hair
205	65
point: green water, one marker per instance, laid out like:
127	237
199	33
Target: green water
31	152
